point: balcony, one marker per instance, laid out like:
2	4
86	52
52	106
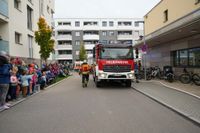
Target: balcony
65	46
4	46
4	8
89	46
64	56
91	37
125	37
64	37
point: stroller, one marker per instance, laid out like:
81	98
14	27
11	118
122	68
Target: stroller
168	73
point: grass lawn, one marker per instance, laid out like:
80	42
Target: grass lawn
59	78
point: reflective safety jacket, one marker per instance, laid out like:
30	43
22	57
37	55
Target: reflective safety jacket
85	68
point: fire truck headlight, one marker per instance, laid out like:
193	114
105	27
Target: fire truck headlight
131	75
103	75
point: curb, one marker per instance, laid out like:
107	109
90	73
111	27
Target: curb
23	99
188	117
174	88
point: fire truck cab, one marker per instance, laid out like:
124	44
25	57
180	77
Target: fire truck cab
113	62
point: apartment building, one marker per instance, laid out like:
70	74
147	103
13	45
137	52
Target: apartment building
70	33
172	33
18	22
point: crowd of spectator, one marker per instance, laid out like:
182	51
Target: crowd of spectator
18	79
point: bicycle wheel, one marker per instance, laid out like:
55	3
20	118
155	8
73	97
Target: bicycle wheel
196	79
185	78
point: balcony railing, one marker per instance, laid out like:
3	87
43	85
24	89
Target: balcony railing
91	37
64	56
125	37
64	37
89	46
4	46
68	47
4	7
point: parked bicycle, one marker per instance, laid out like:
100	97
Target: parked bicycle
168	73
155	72
187	77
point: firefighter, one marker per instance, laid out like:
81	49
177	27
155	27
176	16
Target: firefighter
85	71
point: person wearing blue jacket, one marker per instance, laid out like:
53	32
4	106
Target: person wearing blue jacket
4	83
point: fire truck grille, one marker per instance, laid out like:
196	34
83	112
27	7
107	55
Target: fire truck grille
117	68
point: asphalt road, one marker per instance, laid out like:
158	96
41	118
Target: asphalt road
69	108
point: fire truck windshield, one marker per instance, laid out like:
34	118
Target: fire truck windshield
116	53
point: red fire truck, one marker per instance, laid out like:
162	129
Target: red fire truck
113	62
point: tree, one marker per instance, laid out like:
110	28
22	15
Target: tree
43	38
82	53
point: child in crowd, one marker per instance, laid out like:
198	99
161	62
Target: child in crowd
24	82
13	86
43	80
34	81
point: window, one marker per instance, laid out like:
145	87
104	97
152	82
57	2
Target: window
194	57
64	43
59	23
90	23
17	4
136	24
89	52
104	41
77	43
64	52
66	23
104	23
30	44
111	23
111	33
104	33
29	18
124	23
77	23
165	15
18	38
187	57
77	33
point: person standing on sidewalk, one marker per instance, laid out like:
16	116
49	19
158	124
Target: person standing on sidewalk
24	81
5	69
13	85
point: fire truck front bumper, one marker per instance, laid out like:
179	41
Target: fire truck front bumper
107	75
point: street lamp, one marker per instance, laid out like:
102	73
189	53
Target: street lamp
144	48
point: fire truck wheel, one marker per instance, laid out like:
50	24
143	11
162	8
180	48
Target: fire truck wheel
128	83
97	83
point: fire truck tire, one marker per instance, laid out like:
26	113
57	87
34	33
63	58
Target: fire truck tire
128	83
97	83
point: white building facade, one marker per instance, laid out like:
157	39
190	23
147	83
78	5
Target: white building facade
18	22
71	32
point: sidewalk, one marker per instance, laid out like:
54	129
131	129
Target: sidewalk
21	99
182	98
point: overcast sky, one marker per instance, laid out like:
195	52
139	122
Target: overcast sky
103	8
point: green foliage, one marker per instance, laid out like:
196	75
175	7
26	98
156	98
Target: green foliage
82	53
43	38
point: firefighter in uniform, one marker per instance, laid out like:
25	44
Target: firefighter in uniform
85	71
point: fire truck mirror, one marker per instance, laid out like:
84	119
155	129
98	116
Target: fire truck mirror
94	52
